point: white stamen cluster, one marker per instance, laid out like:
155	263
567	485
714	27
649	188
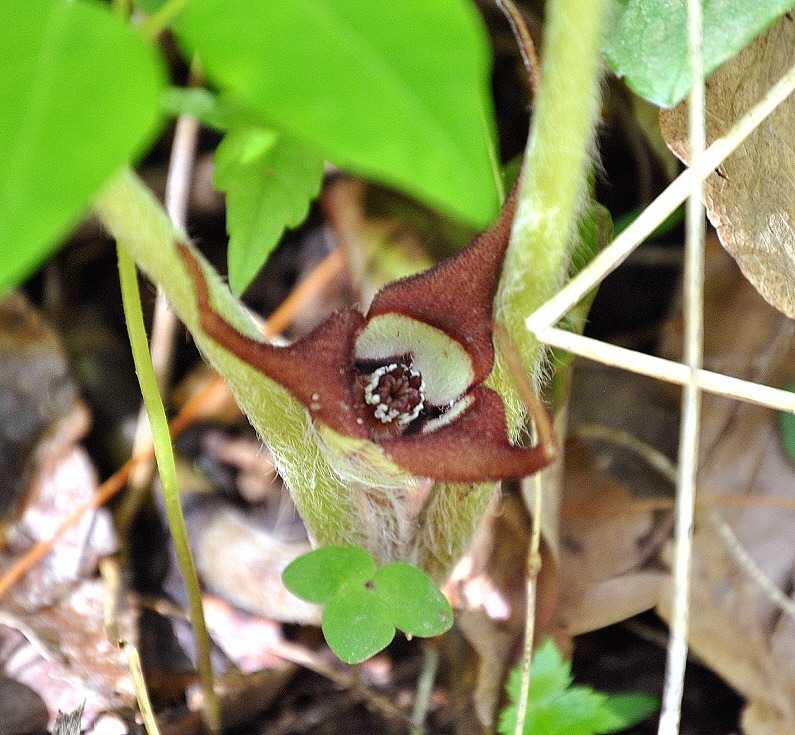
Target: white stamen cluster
397	392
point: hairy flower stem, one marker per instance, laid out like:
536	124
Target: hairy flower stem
551	198
557	163
552	195
138	221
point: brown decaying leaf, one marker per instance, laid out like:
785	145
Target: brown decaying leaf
750	200
736	628
601	562
56	607
243	562
70	659
21	709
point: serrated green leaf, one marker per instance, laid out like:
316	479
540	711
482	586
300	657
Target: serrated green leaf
786	425
269	182
414	602
555	707
648	46
630	709
550	673
80	95
395	91
356	624
320	575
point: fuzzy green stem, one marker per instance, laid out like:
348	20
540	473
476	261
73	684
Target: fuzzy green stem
552	192
447	523
137	220
557	162
164	454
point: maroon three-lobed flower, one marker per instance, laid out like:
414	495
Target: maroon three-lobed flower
407	376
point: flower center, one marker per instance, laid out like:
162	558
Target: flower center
397	392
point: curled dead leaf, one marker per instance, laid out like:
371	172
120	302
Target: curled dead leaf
750	199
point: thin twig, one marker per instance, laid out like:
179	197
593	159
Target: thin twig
673	689
543	436
525	42
139	684
112	577
430	667
749	566
670	371
531	592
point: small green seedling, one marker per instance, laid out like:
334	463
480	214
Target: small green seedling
363	605
555	707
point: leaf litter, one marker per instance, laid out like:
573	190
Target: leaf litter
749	198
738	628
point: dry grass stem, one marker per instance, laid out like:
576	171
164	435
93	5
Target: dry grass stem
164	321
668	370
676	662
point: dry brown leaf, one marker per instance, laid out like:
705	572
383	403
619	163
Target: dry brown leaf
731	633
737	628
601	575
243	563
64	478
604	550
36	393
750	200
68	658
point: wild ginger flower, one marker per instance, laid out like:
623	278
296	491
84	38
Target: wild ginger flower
408	376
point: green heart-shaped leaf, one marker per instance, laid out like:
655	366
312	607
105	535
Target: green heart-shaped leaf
412	600
320	575
396	91
356	624
80	95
